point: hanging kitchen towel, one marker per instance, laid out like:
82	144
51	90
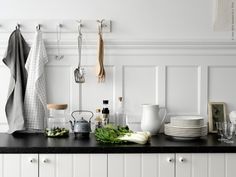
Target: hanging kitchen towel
100	70
15	59
223	15
35	96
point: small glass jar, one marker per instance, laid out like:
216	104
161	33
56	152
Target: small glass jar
57	117
98	119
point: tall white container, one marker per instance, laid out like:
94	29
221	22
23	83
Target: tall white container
151	119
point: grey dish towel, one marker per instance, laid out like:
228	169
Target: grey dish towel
15	59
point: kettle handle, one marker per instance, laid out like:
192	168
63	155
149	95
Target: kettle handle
72	114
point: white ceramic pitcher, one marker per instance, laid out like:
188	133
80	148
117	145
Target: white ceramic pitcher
151	120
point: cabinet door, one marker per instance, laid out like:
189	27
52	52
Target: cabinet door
73	165
54	165
141	165
222	165
230	160
206	165
18	165
216	165
192	165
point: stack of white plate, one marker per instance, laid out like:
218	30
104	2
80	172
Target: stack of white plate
186	127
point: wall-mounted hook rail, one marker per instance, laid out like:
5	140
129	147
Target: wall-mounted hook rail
50	26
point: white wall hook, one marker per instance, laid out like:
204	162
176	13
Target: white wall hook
38	27
59	56
18	26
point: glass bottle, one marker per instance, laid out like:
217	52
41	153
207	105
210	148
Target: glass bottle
105	112
98	119
120	116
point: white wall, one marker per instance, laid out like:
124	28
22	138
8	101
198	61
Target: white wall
159	51
133	19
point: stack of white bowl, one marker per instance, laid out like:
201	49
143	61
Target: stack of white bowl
186	127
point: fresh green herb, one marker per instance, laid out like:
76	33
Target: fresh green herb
110	134
57	132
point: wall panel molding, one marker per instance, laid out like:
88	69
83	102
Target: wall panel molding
221	87
182	89
146	47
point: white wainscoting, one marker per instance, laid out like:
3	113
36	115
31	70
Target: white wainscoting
221	81
182	89
180	75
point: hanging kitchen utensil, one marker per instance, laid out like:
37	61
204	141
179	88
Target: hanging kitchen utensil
79	71
100	70
59	56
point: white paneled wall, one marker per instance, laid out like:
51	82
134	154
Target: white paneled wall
140	87
160	51
4	78
93	93
183	79
182	89
221	84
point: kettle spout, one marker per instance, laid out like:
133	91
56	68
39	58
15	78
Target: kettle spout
72	125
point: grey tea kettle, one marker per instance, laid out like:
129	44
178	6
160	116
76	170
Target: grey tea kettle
81	127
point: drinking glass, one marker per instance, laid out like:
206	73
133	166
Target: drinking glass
228	129
219	126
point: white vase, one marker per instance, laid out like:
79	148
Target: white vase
151	120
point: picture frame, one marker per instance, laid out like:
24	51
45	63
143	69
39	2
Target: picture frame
216	113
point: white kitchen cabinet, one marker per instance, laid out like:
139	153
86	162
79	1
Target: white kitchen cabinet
206	165
18	165
172	165
141	165
118	165
73	165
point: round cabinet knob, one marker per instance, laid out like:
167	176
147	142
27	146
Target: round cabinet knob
45	160
32	160
181	159
169	159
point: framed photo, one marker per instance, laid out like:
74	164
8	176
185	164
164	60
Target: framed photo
216	113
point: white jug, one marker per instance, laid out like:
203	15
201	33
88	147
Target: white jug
151	120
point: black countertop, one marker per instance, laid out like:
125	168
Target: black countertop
38	143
